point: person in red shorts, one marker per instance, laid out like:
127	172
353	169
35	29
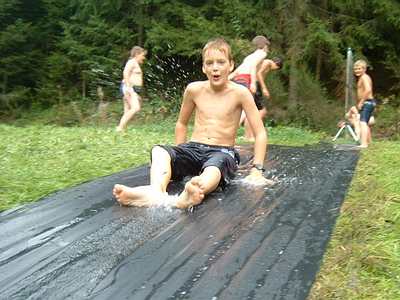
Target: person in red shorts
246	73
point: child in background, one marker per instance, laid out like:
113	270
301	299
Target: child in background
132	86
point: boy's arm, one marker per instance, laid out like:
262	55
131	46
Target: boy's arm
185	113
260	134
260	78
253	71
253	76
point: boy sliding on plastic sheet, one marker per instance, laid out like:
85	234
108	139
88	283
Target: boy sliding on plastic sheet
209	155
365	101
132	85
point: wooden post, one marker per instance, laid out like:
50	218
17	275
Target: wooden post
83	85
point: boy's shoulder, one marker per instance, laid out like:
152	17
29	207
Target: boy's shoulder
131	62
256	56
195	85
260	53
365	77
265	63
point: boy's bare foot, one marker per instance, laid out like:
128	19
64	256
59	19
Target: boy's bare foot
141	196
192	194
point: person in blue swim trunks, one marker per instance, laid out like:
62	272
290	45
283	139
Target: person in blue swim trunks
132	86
365	101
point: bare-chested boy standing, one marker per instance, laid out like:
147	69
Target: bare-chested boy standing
132	85
365	101
246	73
262	93
209	155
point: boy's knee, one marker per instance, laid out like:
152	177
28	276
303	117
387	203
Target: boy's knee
159	152
212	172
371	121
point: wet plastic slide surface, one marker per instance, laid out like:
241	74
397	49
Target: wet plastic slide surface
244	243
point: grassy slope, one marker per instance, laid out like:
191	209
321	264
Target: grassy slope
37	160
363	258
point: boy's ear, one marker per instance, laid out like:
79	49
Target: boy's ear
202	68
232	66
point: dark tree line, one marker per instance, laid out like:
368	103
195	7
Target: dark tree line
54	51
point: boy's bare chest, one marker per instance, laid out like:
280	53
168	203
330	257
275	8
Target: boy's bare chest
136	70
217	107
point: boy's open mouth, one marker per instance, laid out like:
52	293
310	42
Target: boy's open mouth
216	77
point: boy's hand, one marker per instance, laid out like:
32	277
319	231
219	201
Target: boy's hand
266	93
256	177
253	88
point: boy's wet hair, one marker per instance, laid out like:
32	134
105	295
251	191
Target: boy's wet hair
218	44
260	42
361	63
278	61
136	50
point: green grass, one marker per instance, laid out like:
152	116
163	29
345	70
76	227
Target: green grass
37	160
290	136
363	259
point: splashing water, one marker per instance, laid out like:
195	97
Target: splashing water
166	78
249	182
168	202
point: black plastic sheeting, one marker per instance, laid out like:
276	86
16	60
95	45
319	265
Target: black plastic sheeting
247	242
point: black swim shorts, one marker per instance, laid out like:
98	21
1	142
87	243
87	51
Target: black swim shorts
190	159
259	98
138	89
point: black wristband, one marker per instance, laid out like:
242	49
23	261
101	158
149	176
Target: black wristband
259	167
